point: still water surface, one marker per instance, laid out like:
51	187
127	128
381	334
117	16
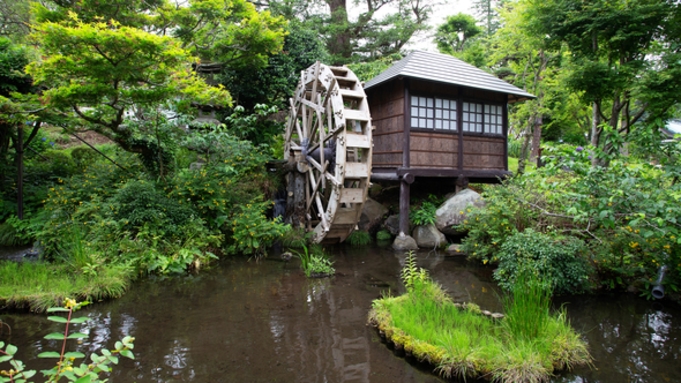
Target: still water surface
265	322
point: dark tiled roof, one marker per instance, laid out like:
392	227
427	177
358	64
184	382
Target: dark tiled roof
449	70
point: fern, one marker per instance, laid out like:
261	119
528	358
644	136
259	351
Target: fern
412	274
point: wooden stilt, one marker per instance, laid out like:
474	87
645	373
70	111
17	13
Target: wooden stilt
404	208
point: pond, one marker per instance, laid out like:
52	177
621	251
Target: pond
265	322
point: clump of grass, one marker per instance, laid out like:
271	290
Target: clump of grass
39	286
359	238
527	307
462	343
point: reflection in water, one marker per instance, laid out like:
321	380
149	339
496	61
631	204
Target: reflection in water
266	322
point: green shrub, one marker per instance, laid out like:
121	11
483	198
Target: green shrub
140	203
252	231
560	261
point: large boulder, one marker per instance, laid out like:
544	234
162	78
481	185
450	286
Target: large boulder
428	236
453	211
404	242
372	215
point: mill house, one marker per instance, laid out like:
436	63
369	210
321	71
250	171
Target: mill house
435	116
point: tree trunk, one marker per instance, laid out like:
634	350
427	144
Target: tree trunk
339	44
595	130
536	138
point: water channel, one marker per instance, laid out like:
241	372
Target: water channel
265	322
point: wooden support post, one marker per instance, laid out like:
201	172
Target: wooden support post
404	208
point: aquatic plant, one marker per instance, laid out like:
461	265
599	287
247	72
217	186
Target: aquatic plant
66	367
461	342
359	238
314	262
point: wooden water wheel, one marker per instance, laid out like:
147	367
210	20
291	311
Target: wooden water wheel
328	134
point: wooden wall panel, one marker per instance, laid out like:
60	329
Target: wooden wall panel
483	153
432	150
386	105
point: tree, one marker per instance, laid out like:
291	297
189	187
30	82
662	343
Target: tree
488	14
276	82
625	56
455	32
14	19
99	71
366	36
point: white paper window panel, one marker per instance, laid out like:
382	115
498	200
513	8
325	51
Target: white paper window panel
486	108
429	124
414	101
414	122
478	108
465	127
422	101
465	107
446	125
445	104
422	112
422	122
429	102
478	118
478	128
466	116
438	124
445	114
438	113
429	113
414	111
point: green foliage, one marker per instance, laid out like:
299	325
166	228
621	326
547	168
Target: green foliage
625	214
452	35
252	231
560	261
359	238
412	275
423	214
276	82
138	203
527	308
37	286
383	235
314	262
463	343
258	127
66	367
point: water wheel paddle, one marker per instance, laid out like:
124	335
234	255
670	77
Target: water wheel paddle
328	133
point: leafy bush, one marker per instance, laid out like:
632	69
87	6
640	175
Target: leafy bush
140	203
252	231
560	261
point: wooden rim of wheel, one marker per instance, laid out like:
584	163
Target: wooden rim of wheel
329	134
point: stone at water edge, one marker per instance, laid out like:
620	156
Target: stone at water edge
455	249
428	236
372	215
453	211
404	242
